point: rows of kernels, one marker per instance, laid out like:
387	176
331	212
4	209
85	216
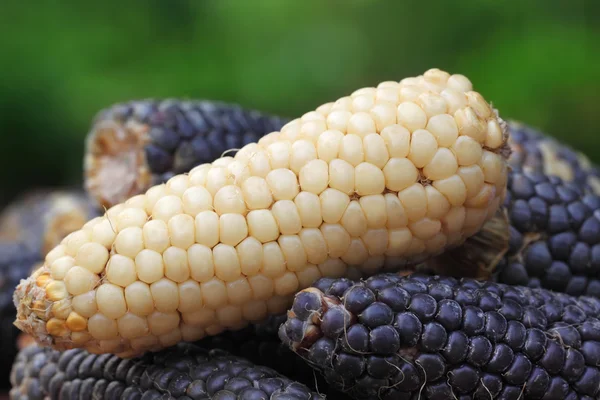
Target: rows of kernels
388	174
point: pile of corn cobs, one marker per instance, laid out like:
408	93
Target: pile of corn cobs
402	242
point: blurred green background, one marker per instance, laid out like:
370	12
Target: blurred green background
61	62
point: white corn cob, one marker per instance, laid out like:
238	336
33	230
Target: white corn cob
385	177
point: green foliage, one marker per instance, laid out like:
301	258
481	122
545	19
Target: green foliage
61	62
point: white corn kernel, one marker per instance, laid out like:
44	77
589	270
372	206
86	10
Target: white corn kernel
229	199
139	298
121	270
227	264
368	179
200	259
287	217
422	148
262	225
354	220
232	228
283	184
411	116
351	150
181	231
239	291
190	296
156	235
176	264
329	143
80	280
399	173
314	176
214	293
414	201
373	207
257	194
149	266
309	209
131	217
302	153
207	228
250	256
92	256
442	165
85	304
337	239
167	207
165	295
111	300
129	242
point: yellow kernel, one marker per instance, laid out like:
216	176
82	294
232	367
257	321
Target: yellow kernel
470	125
314	176
368	179
132	326
437	204
216	178
433	104
333	204
302	153
176	264
214	293
492	166
376	152
425	228
495	136
473	178
229	315
467	151
373	207
460	82
239	291
233	229
196	199
384	114
92	256
111	300
442	165
375	240
484	198
338	120
455	99
273	260
283	184
397	140
333	268
190	296
200	259
56	253
156	235
121	270
259	164
286	284
85	304
279	154
454	220
148	266
257	194
309	209
80	280
354	220
396	216
262	286
254	311
351	149
356	254
250	255
312	129
163	323
399	173
202	317
361	123
287	217
102	328
57	290
293	251
314	245
328	144
414	201
61	309
61	266
398	241
131	217
262	225
453	188
207	228
229	199
227	264
444	129
129	242
308	275
478	104
76	322
167	207
337	239
411	116
341	176
75	240
165	295
181	231
422	148
360	103
139	298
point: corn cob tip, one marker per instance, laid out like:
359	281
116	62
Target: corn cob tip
115	162
379	180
